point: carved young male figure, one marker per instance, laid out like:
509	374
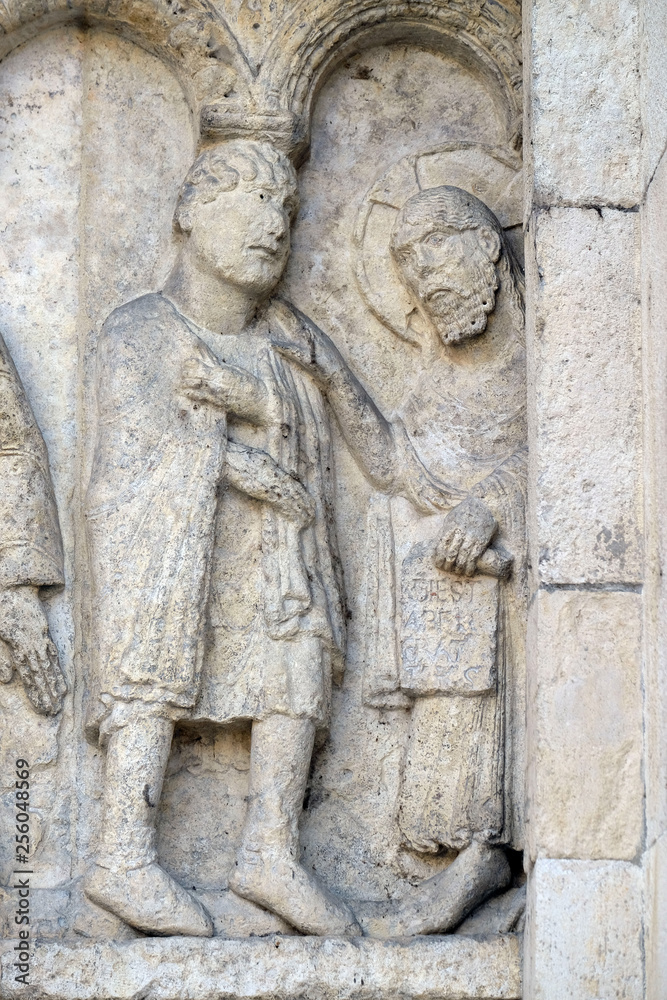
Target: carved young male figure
464	422
167	382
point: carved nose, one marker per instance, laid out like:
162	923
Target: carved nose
277	226
423	262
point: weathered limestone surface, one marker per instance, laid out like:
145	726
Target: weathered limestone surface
236	747
452	968
655	874
585	109
654	273
594	366
585	750
585	930
653	80
587	398
356	637
39	274
70	213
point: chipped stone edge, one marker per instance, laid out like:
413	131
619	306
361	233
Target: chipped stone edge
431	968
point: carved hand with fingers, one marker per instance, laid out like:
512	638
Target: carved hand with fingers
468	531
27	647
206	380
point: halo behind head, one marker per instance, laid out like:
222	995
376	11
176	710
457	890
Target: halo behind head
494	175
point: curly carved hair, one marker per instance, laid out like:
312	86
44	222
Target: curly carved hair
223	167
458	209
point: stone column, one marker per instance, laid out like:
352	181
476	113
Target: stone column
586	824
653	217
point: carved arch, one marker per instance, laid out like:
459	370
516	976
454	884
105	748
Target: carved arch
319	34
192	38
276	102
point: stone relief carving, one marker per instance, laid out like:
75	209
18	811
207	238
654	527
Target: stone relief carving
213	506
459	443
166	380
456	654
31	554
183	407
241	87
452	254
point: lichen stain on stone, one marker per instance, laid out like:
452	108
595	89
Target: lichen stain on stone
611	543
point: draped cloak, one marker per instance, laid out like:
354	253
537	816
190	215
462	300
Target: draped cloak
152	507
276	624
31	549
462	776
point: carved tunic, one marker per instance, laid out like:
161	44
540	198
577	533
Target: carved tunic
30	543
462	774
156	482
473	436
276	623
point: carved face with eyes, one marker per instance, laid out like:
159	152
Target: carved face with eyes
238	210
243	236
450	270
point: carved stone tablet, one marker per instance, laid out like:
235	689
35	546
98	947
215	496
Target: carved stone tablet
449	630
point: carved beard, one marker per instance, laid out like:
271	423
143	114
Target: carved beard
462	314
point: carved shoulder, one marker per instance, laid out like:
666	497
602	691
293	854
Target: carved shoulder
135	352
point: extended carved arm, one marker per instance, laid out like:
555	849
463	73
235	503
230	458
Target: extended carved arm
387	456
367	432
381	448
255	473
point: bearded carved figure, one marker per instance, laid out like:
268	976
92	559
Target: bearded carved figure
447	245
446	624
460	642
459	779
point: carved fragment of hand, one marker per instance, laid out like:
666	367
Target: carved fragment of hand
294	501
225	386
468	530
25	633
298	339
6	663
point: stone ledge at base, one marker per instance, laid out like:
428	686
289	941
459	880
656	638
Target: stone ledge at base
272	968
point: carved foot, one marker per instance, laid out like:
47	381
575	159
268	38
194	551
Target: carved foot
275	881
439	904
150	900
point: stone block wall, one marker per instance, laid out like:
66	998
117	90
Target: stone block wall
653	217
596	263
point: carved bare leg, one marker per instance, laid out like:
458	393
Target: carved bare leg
267	869
440	903
126	878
